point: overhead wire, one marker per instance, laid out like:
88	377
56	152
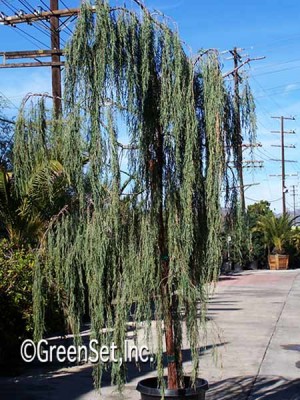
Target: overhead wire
276	71
278	93
46	5
40	23
281	86
259	84
49	9
64	4
263	125
269	70
27	5
263	108
274	64
260	104
68	21
31	36
264	156
9	100
267	153
9	6
63	24
274	44
15	11
270	201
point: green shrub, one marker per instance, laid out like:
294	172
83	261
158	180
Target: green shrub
254	213
16	276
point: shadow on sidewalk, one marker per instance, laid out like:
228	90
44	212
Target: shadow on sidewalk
246	388
71	386
55	382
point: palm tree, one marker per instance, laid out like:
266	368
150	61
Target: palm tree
24	219
277	231
277	234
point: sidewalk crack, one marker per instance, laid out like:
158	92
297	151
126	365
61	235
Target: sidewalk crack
270	340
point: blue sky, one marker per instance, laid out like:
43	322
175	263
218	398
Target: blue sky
267	28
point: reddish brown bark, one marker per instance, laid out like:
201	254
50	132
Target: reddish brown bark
170	344
173	381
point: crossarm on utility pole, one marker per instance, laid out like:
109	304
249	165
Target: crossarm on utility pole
237	67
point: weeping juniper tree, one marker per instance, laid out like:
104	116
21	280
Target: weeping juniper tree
143	227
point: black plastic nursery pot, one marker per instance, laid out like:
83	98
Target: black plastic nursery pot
149	391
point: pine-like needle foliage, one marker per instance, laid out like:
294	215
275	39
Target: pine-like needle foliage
144	233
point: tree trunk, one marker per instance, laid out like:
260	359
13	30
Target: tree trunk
166	291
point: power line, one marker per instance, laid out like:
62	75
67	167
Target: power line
39	17
64	25
274	44
22	35
30	36
294	193
41	22
25	4
259	84
268	183
28	7
268	154
238	63
270	201
47	28
14	10
283	161
275	64
8	99
42	29
281	86
276	71
279	93
8	121
264	109
264	156
67	19
64	4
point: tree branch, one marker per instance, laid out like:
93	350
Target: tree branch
198	58
29	95
241	65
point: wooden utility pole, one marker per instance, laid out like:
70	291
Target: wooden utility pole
55	58
283	161
237	127
53	16
238	64
282	164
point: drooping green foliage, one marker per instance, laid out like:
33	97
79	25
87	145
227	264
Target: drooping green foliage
6	136
237	227
248	115
30	130
142	231
241	126
254	212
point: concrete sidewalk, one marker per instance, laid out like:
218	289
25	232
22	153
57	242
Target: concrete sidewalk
259	313
254	327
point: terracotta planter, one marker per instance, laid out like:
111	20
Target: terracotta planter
149	391
278	261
